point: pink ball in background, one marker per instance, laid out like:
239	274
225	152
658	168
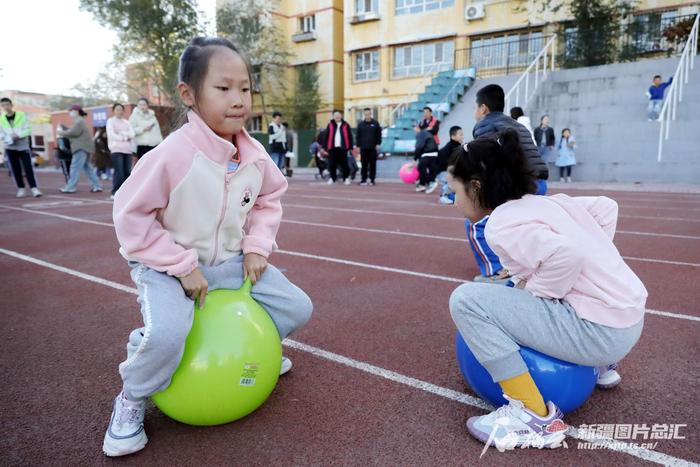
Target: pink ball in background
409	173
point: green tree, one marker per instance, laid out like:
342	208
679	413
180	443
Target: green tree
152	33
250	26
592	35
301	104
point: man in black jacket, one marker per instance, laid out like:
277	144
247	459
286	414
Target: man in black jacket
369	137
490	102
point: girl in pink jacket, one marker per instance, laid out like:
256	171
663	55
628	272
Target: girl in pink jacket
574	298
200	212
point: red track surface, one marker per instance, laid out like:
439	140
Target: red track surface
63	336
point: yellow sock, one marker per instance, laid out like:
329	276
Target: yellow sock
524	389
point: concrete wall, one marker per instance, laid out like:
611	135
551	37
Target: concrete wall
605	107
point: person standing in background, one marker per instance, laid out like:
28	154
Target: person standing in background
517	114
82	144
369	138
15	132
146	128
567	155
289	150
338	142
120	138
544	138
101	159
430	124
278	139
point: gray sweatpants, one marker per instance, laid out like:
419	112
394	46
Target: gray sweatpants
154	351
495	321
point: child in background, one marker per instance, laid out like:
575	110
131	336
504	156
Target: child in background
656	96
200	212
567	155
444	155
574	297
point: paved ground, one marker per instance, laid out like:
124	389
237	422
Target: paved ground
375	380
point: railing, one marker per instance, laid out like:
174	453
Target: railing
675	91
542	63
500	55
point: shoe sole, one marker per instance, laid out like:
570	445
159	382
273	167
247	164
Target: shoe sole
609	385
110	451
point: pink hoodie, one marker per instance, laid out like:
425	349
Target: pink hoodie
180	207
563	247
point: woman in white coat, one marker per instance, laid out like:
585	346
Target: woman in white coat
146	127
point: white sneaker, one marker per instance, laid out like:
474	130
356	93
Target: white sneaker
103	177
568	179
111	197
420	188
431	188
562	180
286	365
36	193
512	426
125	433
21	193
330	181
346	182
446	201
608	377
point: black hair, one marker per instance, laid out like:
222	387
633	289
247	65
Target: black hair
276	114
6	99
565	130
143	99
194	61
657	76
428	108
500	166
82	113
366	109
543	117
285	124
516	113
117	104
492	96
338	110
454	130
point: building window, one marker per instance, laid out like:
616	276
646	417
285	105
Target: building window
363	7
367	66
506	51
38	143
256	74
307	23
255	124
422	59
405	7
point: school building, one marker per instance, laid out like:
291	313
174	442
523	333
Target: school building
382	53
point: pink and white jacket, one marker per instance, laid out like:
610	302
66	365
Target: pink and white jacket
563	247
181	208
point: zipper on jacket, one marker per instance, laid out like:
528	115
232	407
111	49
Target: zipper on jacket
224	205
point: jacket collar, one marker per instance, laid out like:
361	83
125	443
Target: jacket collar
215	147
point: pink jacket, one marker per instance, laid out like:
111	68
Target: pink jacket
563	247
120	135
180	207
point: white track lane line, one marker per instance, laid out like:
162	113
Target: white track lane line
429	216
424	216
450	394
428	203
356	263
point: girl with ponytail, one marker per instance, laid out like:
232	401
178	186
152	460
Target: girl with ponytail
571	295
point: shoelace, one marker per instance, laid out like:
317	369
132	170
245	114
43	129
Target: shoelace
512	409
128	415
